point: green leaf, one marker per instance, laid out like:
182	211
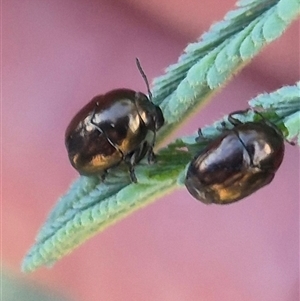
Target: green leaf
286	103
90	206
221	52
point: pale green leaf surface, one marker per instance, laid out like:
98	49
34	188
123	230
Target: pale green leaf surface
71	223
292	122
91	206
221	52
286	103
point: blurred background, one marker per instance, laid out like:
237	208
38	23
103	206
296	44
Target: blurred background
57	55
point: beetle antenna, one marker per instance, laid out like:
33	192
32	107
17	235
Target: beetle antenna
144	77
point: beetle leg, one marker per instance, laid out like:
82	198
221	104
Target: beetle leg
200	136
151	158
103	175
150	154
130	161
234	121
132	174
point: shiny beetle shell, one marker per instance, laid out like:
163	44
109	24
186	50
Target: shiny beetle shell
236	164
114	127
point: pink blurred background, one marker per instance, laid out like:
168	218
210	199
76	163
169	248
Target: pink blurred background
56	56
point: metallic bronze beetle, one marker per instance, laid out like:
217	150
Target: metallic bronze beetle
119	126
236	164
